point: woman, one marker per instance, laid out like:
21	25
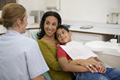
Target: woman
20	57
48	44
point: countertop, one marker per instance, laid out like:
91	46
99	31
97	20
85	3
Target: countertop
97	28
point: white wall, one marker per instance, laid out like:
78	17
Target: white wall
33	5
78	10
88	10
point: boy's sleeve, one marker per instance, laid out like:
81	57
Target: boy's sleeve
61	52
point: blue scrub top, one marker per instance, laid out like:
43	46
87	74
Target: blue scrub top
20	57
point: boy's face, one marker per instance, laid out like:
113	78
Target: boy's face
63	36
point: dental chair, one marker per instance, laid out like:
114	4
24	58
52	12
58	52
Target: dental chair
46	75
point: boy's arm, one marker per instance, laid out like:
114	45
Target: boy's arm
73	66
69	67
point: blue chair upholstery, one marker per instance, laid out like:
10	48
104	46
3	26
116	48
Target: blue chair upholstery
46	74
34	35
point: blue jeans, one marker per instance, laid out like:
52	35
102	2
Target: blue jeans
110	74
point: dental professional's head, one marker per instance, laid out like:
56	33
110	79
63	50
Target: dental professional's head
14	16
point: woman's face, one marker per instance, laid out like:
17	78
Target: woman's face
24	24
50	25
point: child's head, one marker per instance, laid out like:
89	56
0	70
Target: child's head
63	34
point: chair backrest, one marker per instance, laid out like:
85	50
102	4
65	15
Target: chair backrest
46	74
34	35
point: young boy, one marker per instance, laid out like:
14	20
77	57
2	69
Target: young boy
72	50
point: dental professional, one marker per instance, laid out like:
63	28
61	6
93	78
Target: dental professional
20	57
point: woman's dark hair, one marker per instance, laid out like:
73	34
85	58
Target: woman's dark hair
49	13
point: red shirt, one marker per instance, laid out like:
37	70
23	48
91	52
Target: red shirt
62	53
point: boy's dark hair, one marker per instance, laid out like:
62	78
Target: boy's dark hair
63	27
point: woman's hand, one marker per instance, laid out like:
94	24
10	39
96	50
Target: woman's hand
102	68
97	66
91	64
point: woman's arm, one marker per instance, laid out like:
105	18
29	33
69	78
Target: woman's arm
38	78
90	63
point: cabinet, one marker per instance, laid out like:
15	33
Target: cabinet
86	37
108	58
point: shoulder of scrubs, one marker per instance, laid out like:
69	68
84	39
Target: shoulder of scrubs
35	60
